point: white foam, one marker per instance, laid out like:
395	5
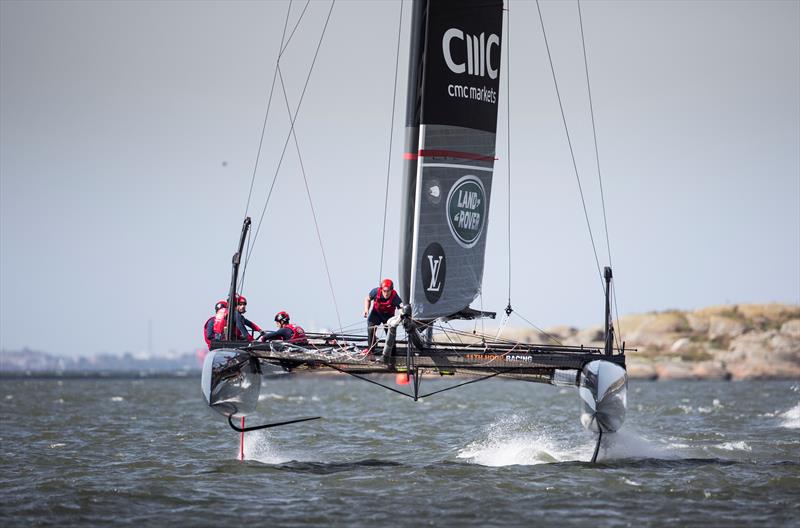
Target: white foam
270	396
734	446
510	442
117	398
258	446
507	442
523	450
55	446
791	418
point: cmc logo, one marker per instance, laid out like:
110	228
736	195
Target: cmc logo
479	53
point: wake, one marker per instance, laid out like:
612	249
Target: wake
511	441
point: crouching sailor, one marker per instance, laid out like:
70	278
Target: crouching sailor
384	301
286	331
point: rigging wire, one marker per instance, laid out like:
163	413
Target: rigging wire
391	139
261	141
283	152
597	155
571	150
544	333
297	24
508	139
310	201
291	128
266	114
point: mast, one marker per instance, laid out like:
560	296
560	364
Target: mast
237	258
609	325
419	12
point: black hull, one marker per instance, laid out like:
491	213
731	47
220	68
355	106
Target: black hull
528	362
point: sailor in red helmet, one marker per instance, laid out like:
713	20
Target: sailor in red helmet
242	322
286	331
385	301
216	320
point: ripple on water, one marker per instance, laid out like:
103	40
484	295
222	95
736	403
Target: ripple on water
493	453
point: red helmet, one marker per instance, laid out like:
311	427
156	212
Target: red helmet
282	317
240	299
387	283
220	304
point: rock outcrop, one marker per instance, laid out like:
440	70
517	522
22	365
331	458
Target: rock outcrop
739	342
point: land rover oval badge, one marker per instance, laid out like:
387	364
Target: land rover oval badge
466	207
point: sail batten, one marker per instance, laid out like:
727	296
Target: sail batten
450	155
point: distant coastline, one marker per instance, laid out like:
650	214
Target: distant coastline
731	342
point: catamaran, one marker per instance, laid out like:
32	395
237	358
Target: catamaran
450	128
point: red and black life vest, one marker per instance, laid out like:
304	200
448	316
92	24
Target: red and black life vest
298	334
205	332
384	306
220	321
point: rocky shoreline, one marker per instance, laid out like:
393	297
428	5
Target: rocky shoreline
734	342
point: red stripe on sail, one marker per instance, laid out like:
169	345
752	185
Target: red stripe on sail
454	154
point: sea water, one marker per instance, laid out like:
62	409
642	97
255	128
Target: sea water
149	451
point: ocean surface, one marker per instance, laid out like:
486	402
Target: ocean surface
149	452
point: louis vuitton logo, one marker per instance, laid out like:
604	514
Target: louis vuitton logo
436	266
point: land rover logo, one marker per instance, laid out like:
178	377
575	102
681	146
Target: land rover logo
466	205
434	270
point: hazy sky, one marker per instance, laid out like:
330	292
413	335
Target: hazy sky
129	131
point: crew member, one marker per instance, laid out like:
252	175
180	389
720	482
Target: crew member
286	331
241	323
220	320
384	301
221	313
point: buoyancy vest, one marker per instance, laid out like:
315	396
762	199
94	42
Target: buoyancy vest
298	334
205	332
220	321
384	306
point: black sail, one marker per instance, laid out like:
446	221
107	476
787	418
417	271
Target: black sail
454	80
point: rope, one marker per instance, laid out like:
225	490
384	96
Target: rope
508	138
297	24
283	47
549	336
261	143
291	128
482	378
571	150
594	134
597	160
310	201
391	139
266	114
